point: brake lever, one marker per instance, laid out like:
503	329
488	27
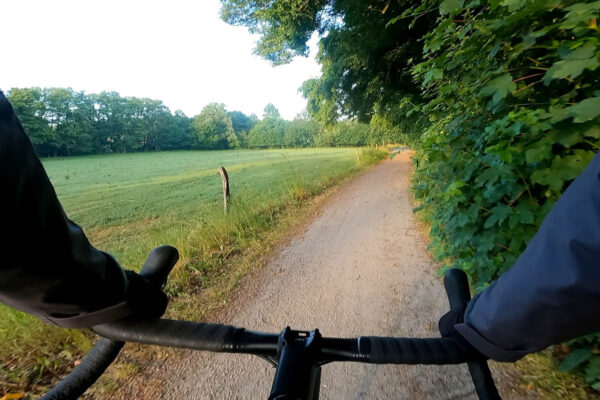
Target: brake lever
159	264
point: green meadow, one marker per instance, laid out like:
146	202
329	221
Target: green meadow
129	203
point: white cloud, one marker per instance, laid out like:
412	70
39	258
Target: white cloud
179	51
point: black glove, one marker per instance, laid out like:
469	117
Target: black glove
446	325
147	299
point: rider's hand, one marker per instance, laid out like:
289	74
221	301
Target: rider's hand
147	299
446	325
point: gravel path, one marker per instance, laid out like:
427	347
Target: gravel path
360	268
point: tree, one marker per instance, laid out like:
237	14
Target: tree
178	133
242	124
109	125
270	131
345	133
213	127
29	106
366	62
240	121
383	130
300	133
267	133
271	112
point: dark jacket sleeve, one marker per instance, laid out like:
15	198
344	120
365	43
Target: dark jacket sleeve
552	293
47	266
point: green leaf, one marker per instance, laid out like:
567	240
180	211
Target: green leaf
489	175
514	5
593	132
558	114
580	14
486	241
433	74
525	212
462	218
569	137
571	166
499	87
448	6
563	169
499	214
539	151
463	236
585	110
581	53
547	177
592	370
573	63
513	221
454	189
572	69
506	155
574	359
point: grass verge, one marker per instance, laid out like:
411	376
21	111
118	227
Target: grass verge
539	374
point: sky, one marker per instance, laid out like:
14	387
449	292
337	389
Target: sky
177	51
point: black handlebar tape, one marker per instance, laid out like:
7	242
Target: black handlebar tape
385	350
171	333
159	264
85	374
189	335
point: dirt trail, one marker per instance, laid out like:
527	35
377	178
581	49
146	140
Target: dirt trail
360	268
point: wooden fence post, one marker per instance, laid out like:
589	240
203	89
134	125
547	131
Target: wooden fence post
225	179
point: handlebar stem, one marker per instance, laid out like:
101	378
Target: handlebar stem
297	370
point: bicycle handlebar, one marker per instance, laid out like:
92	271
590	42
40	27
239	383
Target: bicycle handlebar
231	339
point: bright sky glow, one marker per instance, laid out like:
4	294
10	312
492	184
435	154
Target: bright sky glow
177	51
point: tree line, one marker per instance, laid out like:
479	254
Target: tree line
64	122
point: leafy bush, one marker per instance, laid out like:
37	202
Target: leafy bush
514	111
372	155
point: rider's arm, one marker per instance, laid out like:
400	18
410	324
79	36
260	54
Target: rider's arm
552	293
47	266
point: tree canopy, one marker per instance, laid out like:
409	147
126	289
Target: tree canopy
366	62
64	122
214	127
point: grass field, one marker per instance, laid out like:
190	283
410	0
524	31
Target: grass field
145	198
130	203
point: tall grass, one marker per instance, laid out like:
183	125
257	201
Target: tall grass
372	155
35	353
